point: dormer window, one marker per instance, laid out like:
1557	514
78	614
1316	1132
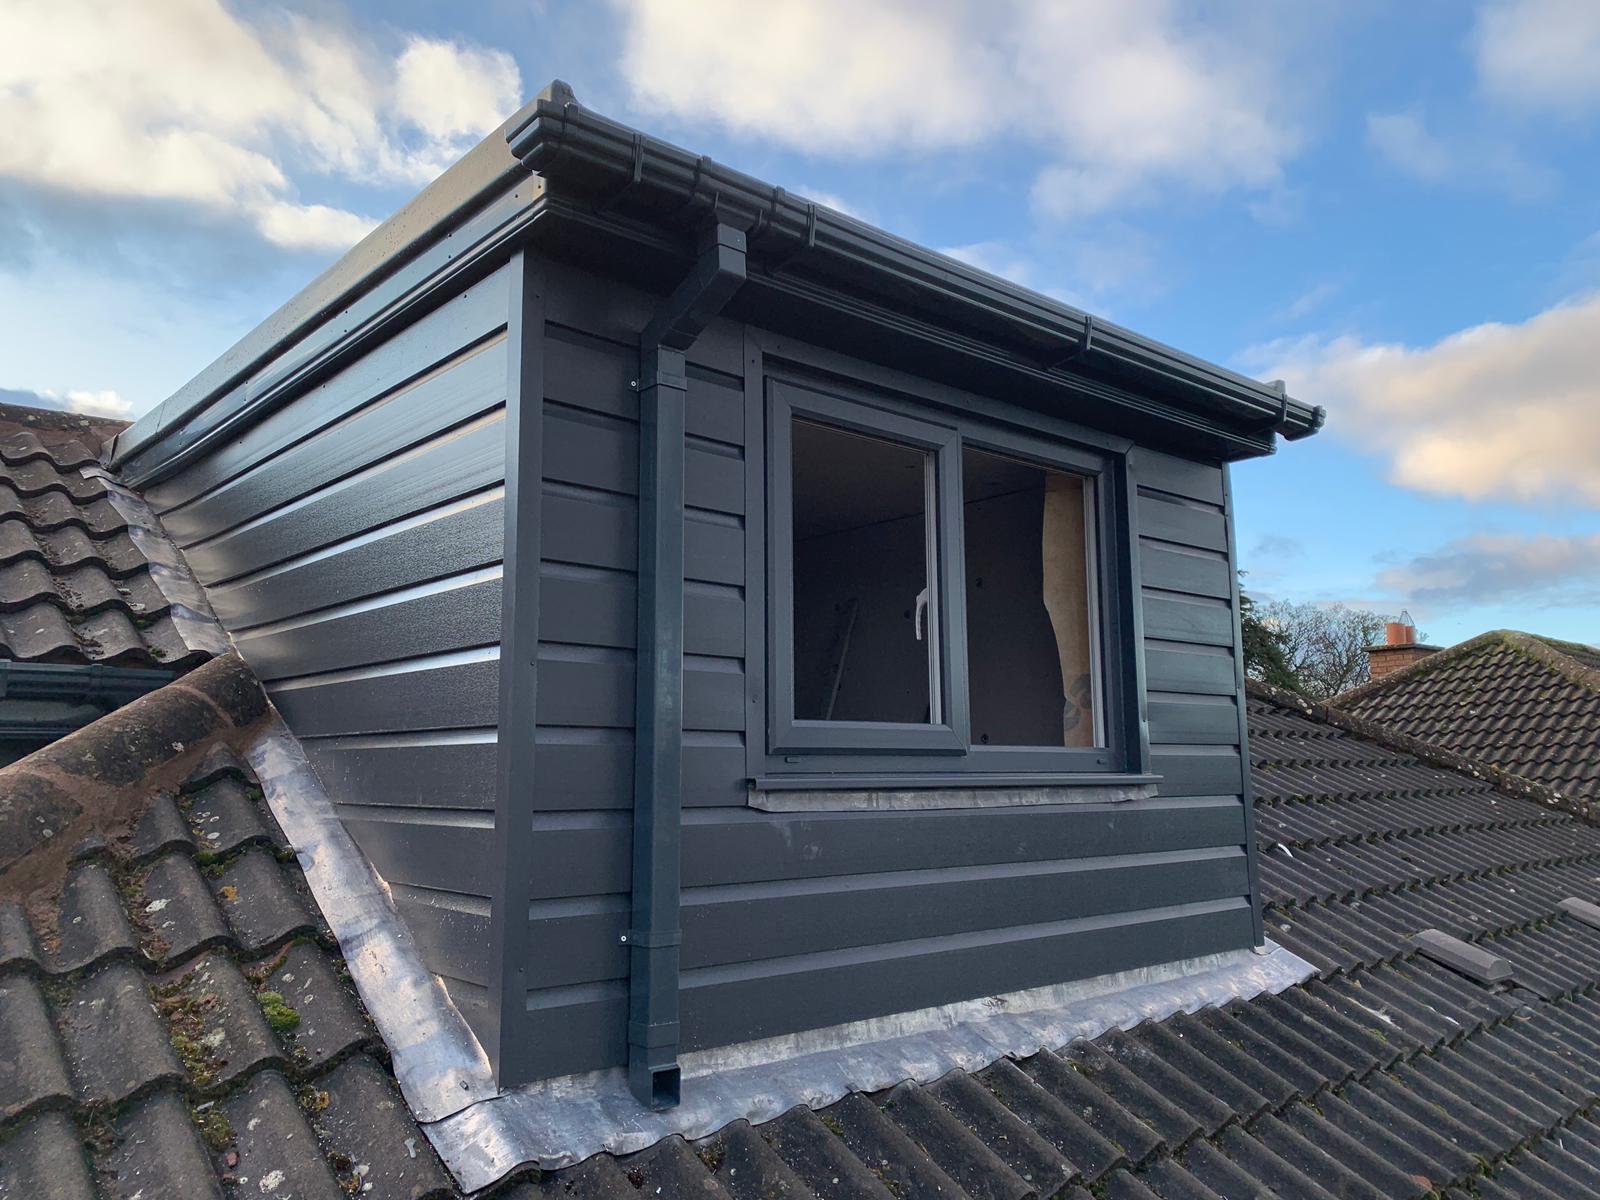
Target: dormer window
939	593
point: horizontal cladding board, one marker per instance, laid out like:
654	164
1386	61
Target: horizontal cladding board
588	606
1206	621
430	770
590	855
593	769
466	460
582	685
1175	570
463	389
586	373
1180	476
1186	524
452	940
602	452
1198	770
416	349
447	615
598	529
456	692
1196	720
610	311
585	1027
744	924
461	536
1175	667
450	858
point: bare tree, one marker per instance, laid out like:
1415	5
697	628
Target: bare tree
1324	646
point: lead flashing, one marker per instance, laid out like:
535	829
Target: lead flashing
557	1122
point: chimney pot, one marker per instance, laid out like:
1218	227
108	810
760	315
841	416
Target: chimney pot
1401	633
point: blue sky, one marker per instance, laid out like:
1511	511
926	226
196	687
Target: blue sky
1394	207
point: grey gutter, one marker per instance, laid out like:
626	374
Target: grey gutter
560	140
487	199
78	681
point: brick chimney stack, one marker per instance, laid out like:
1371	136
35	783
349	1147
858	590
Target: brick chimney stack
1400	650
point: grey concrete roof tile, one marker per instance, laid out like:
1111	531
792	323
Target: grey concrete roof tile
32	1073
224	817
818	1156
331	1022
750	1170
91	924
45	1160
161	828
156	1150
982	1174
262	905
176	912
17	947
365	1123
1018	1144
216	1020
278	1154
116	1044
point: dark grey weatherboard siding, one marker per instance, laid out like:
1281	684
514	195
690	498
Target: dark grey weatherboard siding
795	920
351	543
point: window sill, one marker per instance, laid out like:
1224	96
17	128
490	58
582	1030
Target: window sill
869	793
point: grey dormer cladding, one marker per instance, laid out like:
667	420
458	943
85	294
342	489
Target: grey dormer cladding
413	498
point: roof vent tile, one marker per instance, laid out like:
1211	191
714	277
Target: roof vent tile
1472	961
1581	910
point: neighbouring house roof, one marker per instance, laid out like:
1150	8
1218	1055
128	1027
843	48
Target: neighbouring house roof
86	575
1525	704
179	1023
133	1025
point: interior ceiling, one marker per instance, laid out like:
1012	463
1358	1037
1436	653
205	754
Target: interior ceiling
845	480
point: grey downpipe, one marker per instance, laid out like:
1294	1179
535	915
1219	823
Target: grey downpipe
655	935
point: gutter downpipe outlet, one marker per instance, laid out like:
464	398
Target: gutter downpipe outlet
655	935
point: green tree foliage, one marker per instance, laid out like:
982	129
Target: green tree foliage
1265	648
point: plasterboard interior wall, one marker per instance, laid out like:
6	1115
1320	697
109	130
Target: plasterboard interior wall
351	544
791	921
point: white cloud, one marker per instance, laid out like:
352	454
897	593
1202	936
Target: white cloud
1127	97
1540	54
1508	411
1545	569
186	101
1404	140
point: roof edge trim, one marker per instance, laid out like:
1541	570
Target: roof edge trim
559	139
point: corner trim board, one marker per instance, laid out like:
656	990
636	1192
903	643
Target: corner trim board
510	1047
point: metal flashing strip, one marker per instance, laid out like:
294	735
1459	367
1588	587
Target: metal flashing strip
438	1063
482	1135
557	1122
191	612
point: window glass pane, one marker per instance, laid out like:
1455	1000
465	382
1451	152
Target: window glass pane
864	613
1030	620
